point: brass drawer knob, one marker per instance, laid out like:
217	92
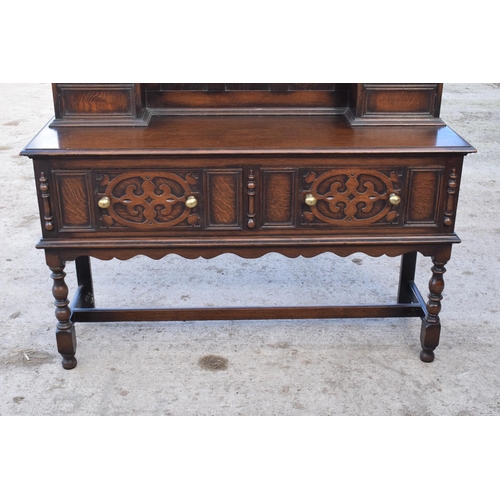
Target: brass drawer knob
311	200
104	202
191	202
394	199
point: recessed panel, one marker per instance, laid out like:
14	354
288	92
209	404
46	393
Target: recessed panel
278	195
224	199
399	99
423	196
74	201
77	100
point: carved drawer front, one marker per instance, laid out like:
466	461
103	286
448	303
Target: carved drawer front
351	197
149	200
236	198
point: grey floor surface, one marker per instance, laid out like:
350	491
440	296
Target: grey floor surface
310	367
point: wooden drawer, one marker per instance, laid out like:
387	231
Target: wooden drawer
253	198
354	197
168	200
351	197
155	200
150	200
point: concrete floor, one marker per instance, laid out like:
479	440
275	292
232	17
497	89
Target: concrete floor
313	367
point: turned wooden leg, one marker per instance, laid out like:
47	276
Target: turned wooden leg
431	326
65	330
406	276
84	278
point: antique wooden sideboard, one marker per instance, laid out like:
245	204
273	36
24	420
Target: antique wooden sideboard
203	169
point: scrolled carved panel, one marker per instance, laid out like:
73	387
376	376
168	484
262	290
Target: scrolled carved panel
150	200
350	197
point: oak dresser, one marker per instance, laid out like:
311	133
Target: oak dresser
204	169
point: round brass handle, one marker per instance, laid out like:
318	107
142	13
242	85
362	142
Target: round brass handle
191	202
310	200
394	199
104	202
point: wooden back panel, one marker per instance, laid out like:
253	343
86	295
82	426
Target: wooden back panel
132	104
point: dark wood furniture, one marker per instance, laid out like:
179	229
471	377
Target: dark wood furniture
204	169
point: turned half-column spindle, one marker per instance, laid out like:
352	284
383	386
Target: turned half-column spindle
452	190
65	330
431	325
47	214
251	200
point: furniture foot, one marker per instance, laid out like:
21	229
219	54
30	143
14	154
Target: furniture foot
427	356
69	362
431	325
65	330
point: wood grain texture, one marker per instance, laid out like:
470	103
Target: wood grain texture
251	135
224	193
424	196
414	100
210	102
279	197
74	198
394	103
99	104
91	99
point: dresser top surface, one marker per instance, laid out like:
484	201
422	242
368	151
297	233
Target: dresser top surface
228	135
